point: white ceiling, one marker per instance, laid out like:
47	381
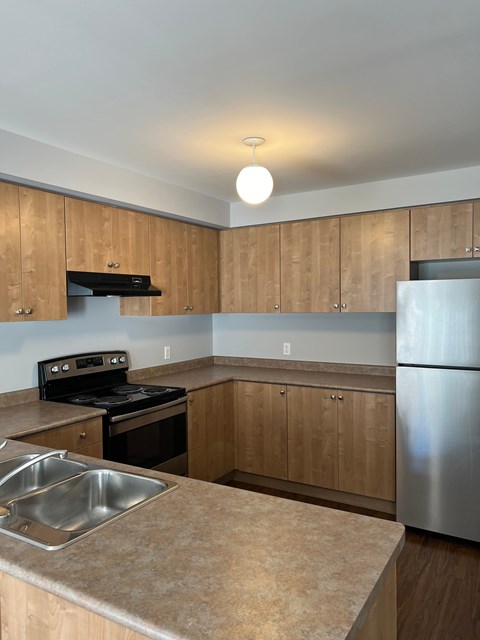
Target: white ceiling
344	91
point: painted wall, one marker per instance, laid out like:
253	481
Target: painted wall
96	324
41	165
444	186
360	338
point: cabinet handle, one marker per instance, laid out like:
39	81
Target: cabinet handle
336	305
333	396
83	435
110	264
116	265
190	400
190	308
185	308
276	306
340	397
19	312
282	392
344	305
477	249
468	249
28	312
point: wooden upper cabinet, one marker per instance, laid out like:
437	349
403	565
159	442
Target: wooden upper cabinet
310	265
42	224
250	270
130	246
366	444
442	232
374	255
184	266
202	261
88	236
476	230
312	436
10	254
104	239
262	429
32	255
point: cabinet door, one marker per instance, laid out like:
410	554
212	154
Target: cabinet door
89	236
366	444
312	436
168	266
10	256
262	429
202	260
310	265
374	255
442	232
42	225
250	270
130	247
476	230
210	432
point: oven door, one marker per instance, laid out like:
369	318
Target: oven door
153	440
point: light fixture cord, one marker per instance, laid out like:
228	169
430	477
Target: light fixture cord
253	160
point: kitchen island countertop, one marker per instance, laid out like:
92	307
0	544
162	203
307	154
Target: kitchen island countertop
210	561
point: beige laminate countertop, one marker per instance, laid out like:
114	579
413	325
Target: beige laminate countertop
39	415
207	376
209	561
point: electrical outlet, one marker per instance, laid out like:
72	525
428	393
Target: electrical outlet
166	353
286	348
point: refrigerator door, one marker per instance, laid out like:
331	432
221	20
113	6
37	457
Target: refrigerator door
438	323
438	450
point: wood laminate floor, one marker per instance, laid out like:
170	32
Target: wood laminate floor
438	579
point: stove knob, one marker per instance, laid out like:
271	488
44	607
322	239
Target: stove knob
122	359
113	360
65	367
55	369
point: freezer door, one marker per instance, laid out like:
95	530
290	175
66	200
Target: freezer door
438	450
438	323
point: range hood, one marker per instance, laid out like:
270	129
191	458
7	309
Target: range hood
80	283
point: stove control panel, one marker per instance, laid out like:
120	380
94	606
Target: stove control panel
81	364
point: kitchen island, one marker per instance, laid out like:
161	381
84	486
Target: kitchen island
208	561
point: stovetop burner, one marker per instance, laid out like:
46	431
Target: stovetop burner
83	399
110	401
153	391
126	388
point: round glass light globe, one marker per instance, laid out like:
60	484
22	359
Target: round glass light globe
254	184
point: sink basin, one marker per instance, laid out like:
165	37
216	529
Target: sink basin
62	513
38	476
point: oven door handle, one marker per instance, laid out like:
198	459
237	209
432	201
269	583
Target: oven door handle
142	417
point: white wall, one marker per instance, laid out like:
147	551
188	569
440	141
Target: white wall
444	186
360	338
37	164
92	324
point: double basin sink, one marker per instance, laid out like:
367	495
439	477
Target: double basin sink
55	502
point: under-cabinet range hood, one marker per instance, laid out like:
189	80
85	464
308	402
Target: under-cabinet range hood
80	283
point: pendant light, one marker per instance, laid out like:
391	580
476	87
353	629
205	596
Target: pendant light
254	183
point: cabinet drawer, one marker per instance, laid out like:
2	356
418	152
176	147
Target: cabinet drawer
93	450
72	437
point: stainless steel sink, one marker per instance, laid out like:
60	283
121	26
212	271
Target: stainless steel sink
36	477
62	513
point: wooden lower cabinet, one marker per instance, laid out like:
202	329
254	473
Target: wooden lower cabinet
312	436
329	438
261	420
83	437
210	432
366	444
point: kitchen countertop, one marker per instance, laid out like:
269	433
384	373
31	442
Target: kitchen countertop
33	417
210	561
207	376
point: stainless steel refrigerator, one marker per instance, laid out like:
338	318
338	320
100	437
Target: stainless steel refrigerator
438	406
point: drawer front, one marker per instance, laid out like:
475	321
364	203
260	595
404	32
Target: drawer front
74	436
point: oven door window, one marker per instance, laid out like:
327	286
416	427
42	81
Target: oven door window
151	444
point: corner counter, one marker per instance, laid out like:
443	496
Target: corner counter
209	561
